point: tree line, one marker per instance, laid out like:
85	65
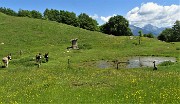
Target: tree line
171	34
83	20
117	25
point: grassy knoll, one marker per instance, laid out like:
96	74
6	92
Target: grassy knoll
56	82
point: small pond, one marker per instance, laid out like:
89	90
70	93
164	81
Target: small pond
136	62
132	62
104	64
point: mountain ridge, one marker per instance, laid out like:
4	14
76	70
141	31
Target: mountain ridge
146	29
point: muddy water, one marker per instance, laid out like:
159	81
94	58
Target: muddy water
136	62
133	62
104	64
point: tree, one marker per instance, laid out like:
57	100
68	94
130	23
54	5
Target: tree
166	35
117	26
30	14
140	33
8	11
87	22
105	28
24	13
171	34
68	18
46	14
52	15
176	32
61	16
36	14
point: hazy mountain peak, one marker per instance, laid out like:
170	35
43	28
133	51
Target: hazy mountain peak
146	29
150	27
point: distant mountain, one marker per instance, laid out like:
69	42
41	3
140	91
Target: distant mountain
146	29
135	30
153	29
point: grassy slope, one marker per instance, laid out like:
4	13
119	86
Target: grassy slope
54	82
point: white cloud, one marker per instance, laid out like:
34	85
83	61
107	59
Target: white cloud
106	19
95	16
152	13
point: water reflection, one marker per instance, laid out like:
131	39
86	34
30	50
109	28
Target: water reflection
136	62
133	62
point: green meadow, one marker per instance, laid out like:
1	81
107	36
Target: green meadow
58	82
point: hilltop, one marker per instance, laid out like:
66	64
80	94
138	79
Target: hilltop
81	81
27	33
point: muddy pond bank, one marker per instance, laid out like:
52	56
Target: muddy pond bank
131	62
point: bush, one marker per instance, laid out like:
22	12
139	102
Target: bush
166	63
135	43
150	35
178	48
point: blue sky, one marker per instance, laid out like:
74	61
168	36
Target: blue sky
101	10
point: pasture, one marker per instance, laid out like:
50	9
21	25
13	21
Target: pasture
59	82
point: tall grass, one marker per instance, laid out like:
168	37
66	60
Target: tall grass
58	82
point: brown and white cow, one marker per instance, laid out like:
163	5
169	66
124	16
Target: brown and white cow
6	59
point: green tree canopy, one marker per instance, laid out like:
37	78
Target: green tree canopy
176	32
30	14
140	33
61	16
24	13
8	11
171	34
117	26
87	22
52	15
68	18
36	14
166	35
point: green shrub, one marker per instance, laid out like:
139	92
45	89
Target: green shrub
166	63
135	43
177	48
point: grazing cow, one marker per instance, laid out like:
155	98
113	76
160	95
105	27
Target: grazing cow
38	58
46	57
6	59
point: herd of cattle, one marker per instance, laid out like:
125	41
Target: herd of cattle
6	59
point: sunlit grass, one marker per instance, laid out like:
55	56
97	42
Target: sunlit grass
58	82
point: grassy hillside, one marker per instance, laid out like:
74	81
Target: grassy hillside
79	82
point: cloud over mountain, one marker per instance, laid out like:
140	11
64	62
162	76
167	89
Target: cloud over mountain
152	13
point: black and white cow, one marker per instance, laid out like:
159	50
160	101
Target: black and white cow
38	58
46	56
